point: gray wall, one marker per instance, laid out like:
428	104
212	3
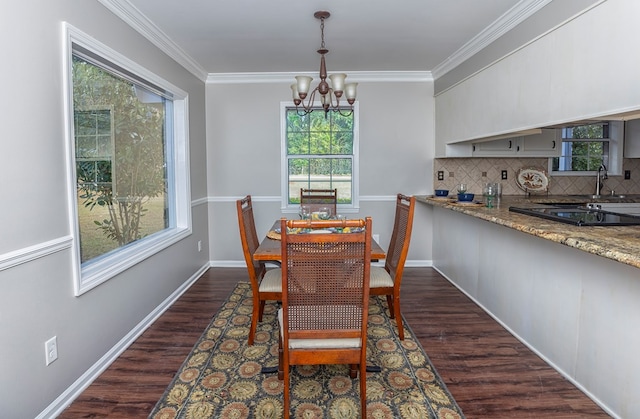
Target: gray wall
243	146
37	299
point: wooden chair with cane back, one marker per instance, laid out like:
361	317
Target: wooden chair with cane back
325	297
387	280
316	199
266	284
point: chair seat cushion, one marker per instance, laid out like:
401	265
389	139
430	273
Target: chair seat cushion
319	343
272	281
380	278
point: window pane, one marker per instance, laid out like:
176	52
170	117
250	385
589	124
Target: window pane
343	143
320	142
584	148
298	143
321	173
120	160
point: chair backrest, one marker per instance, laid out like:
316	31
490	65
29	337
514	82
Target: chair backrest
401	236
315	199
249	238
325	279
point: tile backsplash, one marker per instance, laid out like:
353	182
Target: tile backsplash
475	172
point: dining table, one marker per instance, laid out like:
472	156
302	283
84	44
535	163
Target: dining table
270	249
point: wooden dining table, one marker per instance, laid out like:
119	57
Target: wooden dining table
269	249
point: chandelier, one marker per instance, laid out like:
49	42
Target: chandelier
329	96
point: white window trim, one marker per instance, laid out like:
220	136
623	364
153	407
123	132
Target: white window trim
93	274
616	149
287	208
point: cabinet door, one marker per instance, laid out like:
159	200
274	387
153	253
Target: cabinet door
546	144
632	138
496	148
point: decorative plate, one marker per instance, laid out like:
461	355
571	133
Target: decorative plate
532	180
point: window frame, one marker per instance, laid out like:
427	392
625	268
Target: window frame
286	207
615	154
90	274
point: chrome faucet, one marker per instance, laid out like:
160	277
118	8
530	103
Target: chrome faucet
600	176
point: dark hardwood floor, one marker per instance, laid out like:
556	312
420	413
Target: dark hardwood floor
489	372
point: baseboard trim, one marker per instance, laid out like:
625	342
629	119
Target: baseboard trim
70	394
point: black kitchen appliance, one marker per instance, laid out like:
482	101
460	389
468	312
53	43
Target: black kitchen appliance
579	216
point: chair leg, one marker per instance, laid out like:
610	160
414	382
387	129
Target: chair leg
280	360
262	303
390	305
363	390
398	316
254	324
353	370
286	396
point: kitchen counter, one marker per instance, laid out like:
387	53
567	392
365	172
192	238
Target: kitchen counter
620	243
545	283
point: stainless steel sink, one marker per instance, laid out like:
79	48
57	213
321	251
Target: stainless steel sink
605	196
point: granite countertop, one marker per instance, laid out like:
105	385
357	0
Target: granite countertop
621	244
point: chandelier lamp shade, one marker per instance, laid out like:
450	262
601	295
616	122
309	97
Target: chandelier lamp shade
329	95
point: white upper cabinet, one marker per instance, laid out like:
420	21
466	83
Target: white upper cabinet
545	144
547	82
496	148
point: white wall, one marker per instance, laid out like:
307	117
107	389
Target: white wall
243	146
586	67
37	299
577	310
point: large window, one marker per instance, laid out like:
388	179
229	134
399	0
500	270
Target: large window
128	135
584	148
320	152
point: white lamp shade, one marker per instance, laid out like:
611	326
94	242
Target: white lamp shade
294	91
350	90
303	83
337	81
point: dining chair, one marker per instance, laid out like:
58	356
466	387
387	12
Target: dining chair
387	280
266	284
325	298
315	199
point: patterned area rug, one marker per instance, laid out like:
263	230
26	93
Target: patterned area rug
222	376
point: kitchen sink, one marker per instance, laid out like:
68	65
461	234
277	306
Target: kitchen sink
606	196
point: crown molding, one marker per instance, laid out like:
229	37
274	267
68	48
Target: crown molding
513	17
139	22
289	77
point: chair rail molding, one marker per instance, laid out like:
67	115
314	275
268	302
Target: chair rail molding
30	253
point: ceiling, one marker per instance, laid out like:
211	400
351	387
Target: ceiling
253	36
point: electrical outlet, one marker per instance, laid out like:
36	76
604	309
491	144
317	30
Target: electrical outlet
504	175
51	350
440	174
199	245
627	174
